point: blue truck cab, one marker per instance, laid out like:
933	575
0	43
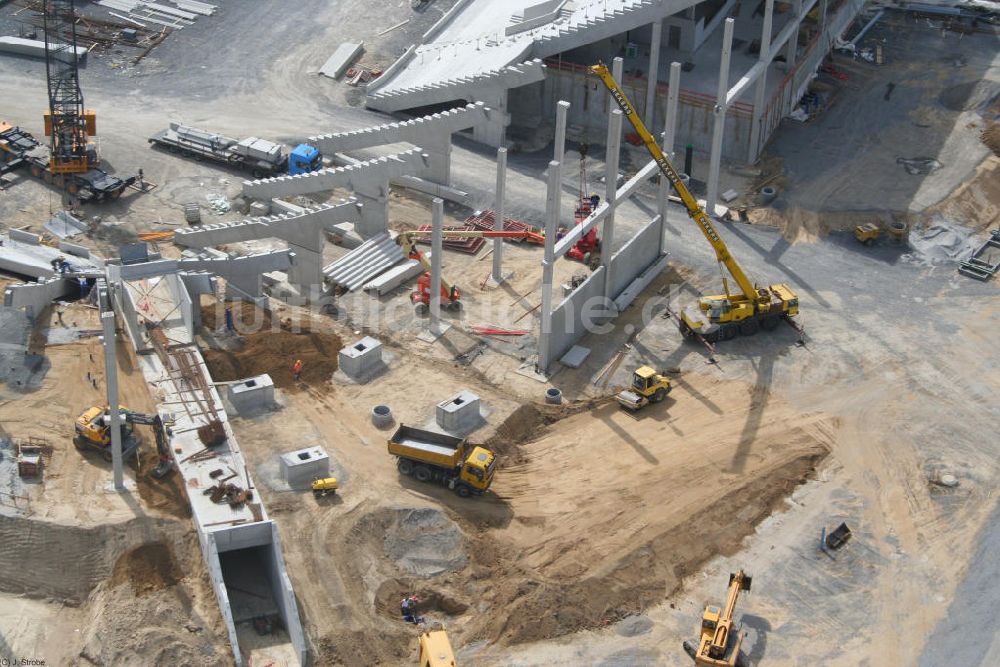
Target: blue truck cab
303	159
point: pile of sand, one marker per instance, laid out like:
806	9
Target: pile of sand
941	241
147	568
424	541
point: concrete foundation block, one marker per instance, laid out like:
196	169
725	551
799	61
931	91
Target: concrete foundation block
301	467
255	394
24	237
459	412
361	359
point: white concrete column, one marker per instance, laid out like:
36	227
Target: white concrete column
653	77
111	380
760	92
610	196
718	130
792	46
673	94
670	126
552	201
611	158
823	9
499	212
559	147
437	222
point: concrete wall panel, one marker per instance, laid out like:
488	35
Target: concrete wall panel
571	317
242	536
633	257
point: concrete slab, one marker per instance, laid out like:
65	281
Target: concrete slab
33	47
341	59
575	357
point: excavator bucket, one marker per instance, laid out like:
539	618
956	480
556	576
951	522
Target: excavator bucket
744	584
839	535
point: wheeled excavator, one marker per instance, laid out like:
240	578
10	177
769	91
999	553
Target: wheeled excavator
450	294
719	645
93	431
722	316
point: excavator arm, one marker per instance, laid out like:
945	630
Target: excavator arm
696	212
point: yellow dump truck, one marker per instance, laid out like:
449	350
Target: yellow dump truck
464	468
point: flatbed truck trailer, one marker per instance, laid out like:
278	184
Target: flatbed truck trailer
19	149
465	468
260	157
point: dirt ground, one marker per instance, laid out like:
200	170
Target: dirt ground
604	533
267	347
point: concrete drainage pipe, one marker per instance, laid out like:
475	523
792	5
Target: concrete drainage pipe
553	396
767	194
382	416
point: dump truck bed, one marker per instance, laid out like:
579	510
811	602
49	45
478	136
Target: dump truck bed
427	446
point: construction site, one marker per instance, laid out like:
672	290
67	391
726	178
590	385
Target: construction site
521	332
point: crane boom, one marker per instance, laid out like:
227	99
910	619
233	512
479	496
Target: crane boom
696	212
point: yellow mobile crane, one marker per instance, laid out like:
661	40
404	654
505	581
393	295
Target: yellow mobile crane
723	316
718	645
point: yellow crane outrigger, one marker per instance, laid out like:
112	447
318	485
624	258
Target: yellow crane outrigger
722	316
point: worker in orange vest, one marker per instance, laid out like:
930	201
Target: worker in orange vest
297	369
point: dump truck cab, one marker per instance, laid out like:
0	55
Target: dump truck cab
304	159
648	386
478	469
435	649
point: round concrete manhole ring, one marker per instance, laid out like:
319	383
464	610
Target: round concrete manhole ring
553	396
767	194
382	416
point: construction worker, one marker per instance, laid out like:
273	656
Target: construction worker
595	199
229	319
408	608
297	369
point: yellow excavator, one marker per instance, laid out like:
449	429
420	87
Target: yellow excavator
719	646
723	316
435	649
93	431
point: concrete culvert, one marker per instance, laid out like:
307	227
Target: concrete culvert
767	194
382	416
553	396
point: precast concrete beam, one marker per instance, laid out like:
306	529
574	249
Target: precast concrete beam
414	131
301	229
570	238
365	176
